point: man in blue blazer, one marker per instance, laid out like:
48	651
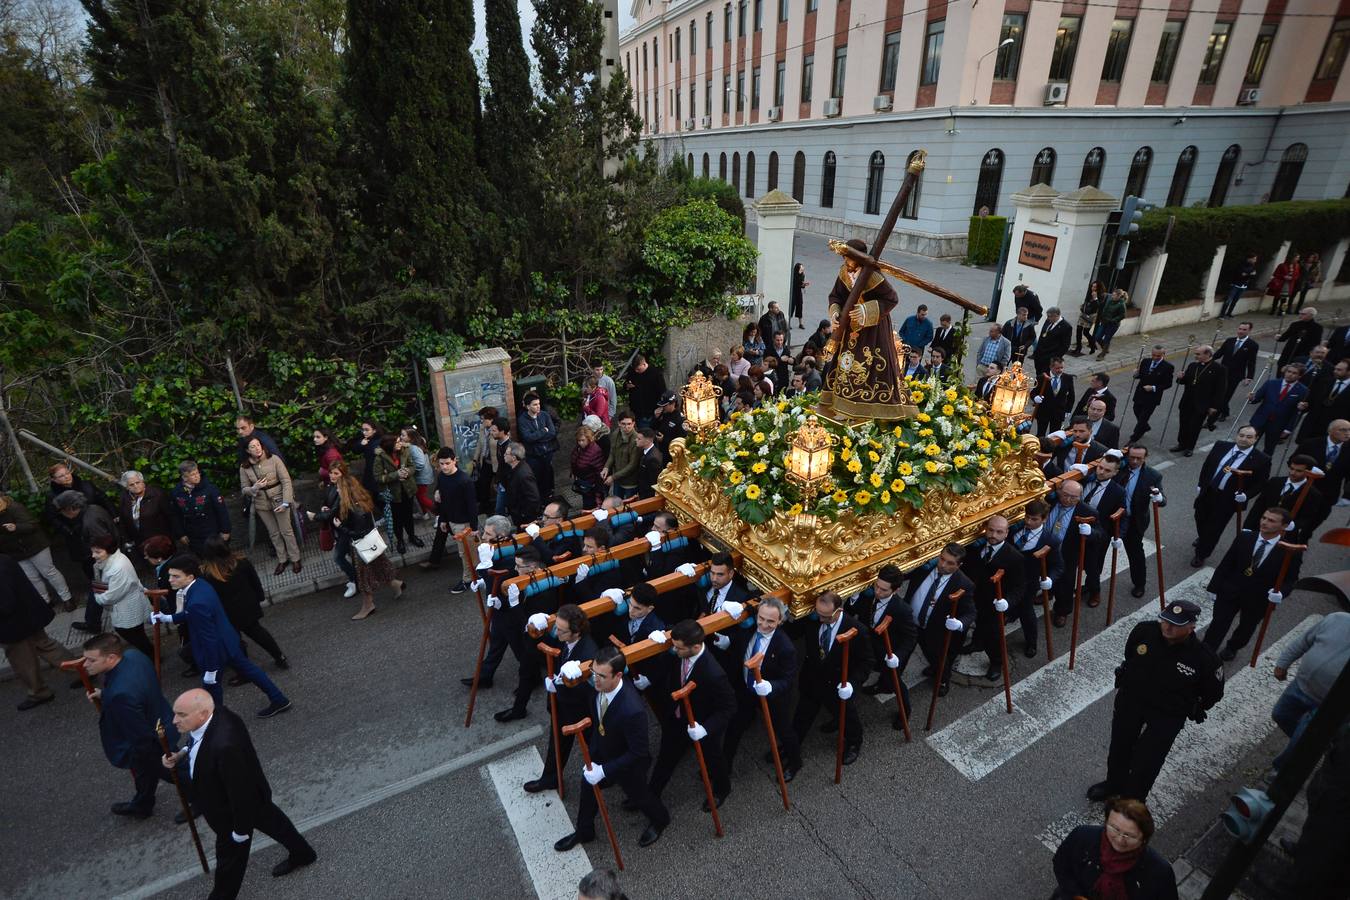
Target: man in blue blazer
778	669
1028	539
1065	506
1103	494
215	643
1278	401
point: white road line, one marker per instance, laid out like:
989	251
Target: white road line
538	820
1165	464
1205	448
988	736
1201	752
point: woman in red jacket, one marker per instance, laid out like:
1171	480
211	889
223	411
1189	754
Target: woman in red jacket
1282	284
588	461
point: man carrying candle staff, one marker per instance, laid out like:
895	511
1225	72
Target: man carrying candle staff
777	672
519	608
1102	493
1142	484
490	567
1219	491
930	589
1031	538
822	681
723	594
1152	379
641	623
570	635
1067	505
1285	493
870	606
994	552
1245	580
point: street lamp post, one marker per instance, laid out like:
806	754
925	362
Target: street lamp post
1005	42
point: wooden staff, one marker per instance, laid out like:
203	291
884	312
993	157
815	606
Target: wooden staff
1302	496
1078	586
843	704
77	666
753	664
579	730
1115	555
155	595
482	652
182	797
1041	554
1157	546
1289	551
942	660
1239	507
1079	451
682	696
550	654
997	579
884	629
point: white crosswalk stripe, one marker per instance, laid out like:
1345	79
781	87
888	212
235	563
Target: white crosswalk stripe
538	820
1201	752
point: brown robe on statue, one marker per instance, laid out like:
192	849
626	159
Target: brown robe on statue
866	380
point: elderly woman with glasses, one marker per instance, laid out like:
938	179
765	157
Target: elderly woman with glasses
1113	861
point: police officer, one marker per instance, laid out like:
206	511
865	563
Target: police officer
668	422
1168	676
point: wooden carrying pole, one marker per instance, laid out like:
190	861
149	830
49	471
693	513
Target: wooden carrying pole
469	540
884	629
1289	551
1157	546
627	550
550	654
1078	587
682	697
579	730
942	660
182	797
1115	557
77	666
1041	554
753	664
155	595
482	654
997	579
1239	508
842	639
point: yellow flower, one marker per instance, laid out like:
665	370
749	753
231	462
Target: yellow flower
959	461
984	421
982	444
846	454
897	431
948	410
700	460
742	453
885	496
752	492
735	477
854	466
872	455
932	450
760	467
848	442
862	498
758	437
875	479
904	469
902	445
951	395
916	396
925	432
930	467
897	485
795	509
839	496
924	417
782	405
988	434
874	445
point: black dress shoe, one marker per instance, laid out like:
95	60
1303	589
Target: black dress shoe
995	673
180	819
291	863
191	672
131	810
417	542
882	687
483	683
1188	453
564	844
1177	449
789	774
650	836
850	755
1227	653
1029	651
237	680
1197	562
1099	792
716	799
283	663
1136	591
539	785
83	626
509	715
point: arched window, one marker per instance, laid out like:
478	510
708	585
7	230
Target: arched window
736	171
773	172
827	181
876	173
691	164
799	177
1181	178
991	177
1286	177
911	210
706	170
1043	169
1092	168
750	174
1138	177
722	166
1224	177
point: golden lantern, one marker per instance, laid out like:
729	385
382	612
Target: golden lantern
809	457
1011	393
700	404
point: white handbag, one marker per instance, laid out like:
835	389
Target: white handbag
370	547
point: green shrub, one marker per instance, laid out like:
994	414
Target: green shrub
985	239
716	190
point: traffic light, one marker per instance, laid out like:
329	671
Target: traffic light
1131	213
1246	811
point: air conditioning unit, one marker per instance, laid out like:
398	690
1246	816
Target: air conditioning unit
706	121
1249	96
832	107
882	103
688	124
775	113
1056	92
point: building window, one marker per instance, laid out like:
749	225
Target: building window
876	173
1168	44
1286	177
676	94
693	36
1009	58
677	45
693	96
779	82
740	90
1117	49
1224	177
726	94
740	19
707	32
726	24
750	174
827	181
1066	47
755	82
1214	51
808	70
812	5
991	177
1092	168
759	15
705	166
837	74
783	10
890	60
1138	177
799	177
691	164
911	210
1181	178
722	166
1256	66
1333	54
736	165
1043	168
773	172
932	53
707	98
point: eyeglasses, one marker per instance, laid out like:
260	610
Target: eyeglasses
1125	836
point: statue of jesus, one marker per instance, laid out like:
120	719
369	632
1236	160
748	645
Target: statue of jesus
866	380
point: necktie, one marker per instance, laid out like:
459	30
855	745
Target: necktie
712	598
754	651
1333	452
1336	391
1096	494
986	553
1289	488
824	640
1284	391
1054	384
1219	473
1151	366
633	626
684	670
1026	539
1130	484
931	601
604	707
1260	553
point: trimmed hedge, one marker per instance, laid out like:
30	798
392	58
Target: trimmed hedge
985	239
1311	226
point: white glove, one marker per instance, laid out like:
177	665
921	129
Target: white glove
512	602
1118	543
582	571
658	637
1344	501
1084	529
721	641
1080	468
532	530
538	622
571	670
550	685
1317	472
1198	489
209	678
844	690
642	682
1290	526
594	773
239	838
654	538
513	593
494	602
696	732
1239	497
161	617
687	570
955	624
1000	605
1158	498
1046	584
484	556
477	585
763	688
1274	596
1038	400
1059	435
733	609
599	515
892	661
614	594
1114	454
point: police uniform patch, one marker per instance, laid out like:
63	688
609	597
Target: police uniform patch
1141	649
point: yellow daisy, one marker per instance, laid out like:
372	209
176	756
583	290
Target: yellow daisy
872	455
904	469
752	492
932	450
839	496
951	395
735	477
758	437
760	467
795	509
948	410
959	461
854	466
897	431
930	467
916	396
885	496
924	417
898	486
875	479
846	454
862	498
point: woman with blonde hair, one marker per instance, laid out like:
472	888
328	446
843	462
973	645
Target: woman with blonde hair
353	516
588	462
117	589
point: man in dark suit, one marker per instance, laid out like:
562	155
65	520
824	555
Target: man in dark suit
523	501
538	598
230	790
1244	582
1056	335
823	681
1331	454
1024	296
641	621
870	606
779	670
1278	401
1300	337
1143	486
1066	505
983	558
714	704
1284	492
1101	492
663	559
571	636
620	753
1053	397
721	593
1328	399
929	599
1102	429
1029	538
1238	356
944	336
1071	451
1204	385
1152	378
984	386
650	463
1021	333
1097	390
1219	494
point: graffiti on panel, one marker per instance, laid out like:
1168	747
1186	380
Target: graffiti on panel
466	393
